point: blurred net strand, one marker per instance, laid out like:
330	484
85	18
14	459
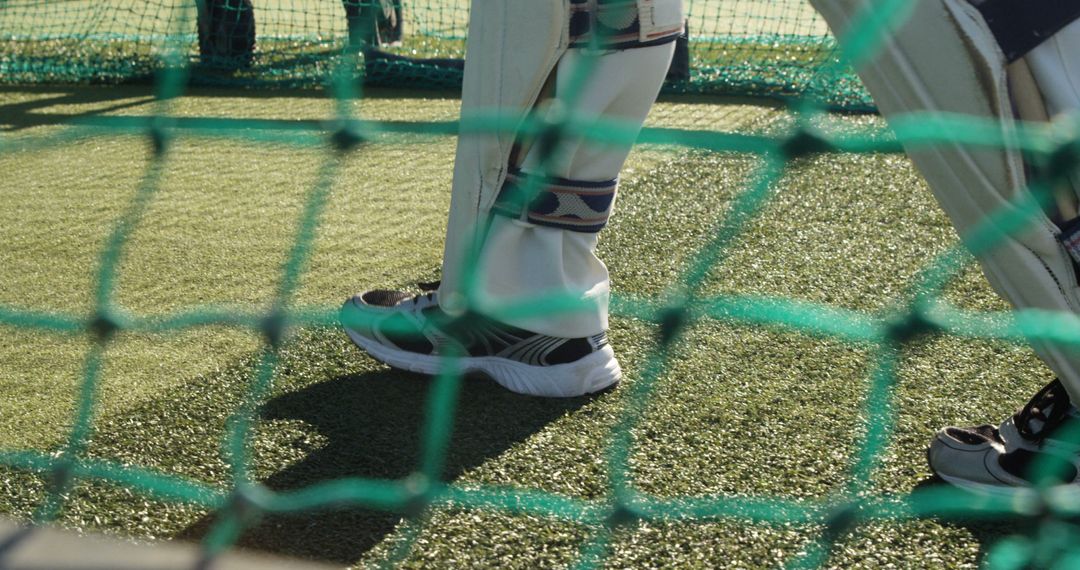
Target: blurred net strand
886	334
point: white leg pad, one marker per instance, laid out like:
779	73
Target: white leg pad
512	49
522	261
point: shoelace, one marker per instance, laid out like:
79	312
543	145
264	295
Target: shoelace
1050	407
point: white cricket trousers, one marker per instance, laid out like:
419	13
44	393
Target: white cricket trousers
522	261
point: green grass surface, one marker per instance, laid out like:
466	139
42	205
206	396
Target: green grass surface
743	411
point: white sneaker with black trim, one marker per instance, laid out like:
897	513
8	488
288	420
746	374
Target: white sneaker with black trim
1001	459
413	333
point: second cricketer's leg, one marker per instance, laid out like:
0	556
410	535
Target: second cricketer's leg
971	58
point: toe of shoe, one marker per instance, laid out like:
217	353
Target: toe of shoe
969	456
951	443
357	316
380	298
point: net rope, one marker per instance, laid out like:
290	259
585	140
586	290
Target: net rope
885	335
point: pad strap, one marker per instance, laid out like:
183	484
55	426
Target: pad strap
1021	25
575	205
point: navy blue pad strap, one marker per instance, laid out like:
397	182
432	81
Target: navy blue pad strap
575	205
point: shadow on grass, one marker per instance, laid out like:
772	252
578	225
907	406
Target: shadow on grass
104	100
372	423
35	112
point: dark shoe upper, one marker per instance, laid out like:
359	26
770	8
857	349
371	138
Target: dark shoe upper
415	323
1028	448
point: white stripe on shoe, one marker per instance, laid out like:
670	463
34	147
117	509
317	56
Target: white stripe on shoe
587	375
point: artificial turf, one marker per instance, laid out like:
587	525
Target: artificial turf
742	411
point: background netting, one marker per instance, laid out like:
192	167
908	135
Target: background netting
736	47
884	335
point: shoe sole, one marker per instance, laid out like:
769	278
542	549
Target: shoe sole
976	487
986	489
586	375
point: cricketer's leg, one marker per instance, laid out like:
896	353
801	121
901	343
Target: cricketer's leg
521	249
520	260
523	260
949	57
510	83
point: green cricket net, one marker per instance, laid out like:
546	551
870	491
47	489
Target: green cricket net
624	504
735	47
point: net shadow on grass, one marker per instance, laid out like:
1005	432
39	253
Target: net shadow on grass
372	424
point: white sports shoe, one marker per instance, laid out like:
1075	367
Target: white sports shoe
999	459
412	333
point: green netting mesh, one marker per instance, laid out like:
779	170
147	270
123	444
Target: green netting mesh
738	47
884	335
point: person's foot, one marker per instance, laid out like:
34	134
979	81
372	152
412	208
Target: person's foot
412	332
996	459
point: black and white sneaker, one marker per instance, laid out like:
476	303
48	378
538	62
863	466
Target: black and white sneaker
1000	459
412	332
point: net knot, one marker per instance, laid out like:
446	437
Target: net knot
159	137
907	326
804	141
621	515
247	503
419	491
62	472
273	327
673	319
346	137
551	125
1061	163
105	324
840	519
